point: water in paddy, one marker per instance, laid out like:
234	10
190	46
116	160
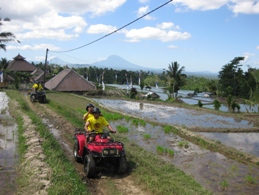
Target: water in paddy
8	155
213	170
174	115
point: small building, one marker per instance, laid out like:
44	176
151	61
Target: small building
19	64
69	81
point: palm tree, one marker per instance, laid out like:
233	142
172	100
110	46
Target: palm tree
5	36
176	77
3	66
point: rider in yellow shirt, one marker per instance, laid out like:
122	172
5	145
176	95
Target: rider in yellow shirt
97	123
89	109
37	86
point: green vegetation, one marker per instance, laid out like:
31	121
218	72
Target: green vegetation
147	136
141	162
224	184
250	179
65	179
137	122
183	144
122	129
167	129
165	151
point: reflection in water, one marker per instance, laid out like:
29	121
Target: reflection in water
8	139
141	106
182	95
246	142
174	115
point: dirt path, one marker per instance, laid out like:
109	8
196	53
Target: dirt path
65	129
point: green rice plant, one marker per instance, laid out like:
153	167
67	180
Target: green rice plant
183	144
160	149
142	122
167	129
224	184
170	152
122	129
147	136
135	122
250	179
111	116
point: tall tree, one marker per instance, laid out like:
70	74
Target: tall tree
176	77
5	36
230	76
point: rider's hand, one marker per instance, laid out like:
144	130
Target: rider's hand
113	131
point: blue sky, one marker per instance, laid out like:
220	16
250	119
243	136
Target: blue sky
200	35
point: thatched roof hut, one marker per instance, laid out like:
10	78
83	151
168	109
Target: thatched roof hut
19	64
69	81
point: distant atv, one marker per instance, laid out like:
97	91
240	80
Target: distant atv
39	96
100	153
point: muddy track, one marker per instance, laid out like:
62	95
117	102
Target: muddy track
124	184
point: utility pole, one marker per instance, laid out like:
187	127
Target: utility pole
46	61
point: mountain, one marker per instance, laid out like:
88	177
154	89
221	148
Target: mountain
59	62
118	63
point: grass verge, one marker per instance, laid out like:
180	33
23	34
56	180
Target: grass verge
149	171
65	179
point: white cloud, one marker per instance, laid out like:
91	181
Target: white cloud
143	1
257	47
33	47
101	28
172	46
165	25
246	7
142	11
135	35
200	5
58	34
236	6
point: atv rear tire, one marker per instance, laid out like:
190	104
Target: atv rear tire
75	152
89	166
33	98
123	165
43	99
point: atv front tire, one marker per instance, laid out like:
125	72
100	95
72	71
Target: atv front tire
89	166
123	165
75	152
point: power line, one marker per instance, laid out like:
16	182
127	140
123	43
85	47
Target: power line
114	31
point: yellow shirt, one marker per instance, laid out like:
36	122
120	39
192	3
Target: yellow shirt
88	116
97	124
37	86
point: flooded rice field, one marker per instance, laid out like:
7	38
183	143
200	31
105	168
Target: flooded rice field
174	115
8	156
246	142
213	170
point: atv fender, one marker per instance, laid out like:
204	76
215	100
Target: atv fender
81	141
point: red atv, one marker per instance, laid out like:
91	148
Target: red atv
100	153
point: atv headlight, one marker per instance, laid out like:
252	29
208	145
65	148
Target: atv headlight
113	151
105	152
110	152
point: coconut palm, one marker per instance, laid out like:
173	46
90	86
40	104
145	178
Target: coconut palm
6	36
176	78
